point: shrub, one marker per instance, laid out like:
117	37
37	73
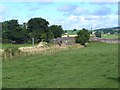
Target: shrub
83	37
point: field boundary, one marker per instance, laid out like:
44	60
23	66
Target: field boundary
105	40
27	51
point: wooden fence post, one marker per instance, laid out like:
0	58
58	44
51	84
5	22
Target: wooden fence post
5	56
10	55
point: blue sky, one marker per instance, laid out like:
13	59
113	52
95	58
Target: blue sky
71	15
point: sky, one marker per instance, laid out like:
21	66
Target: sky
70	14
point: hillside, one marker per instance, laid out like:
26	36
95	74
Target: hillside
111	30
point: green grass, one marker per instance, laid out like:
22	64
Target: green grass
110	36
71	32
95	66
16	45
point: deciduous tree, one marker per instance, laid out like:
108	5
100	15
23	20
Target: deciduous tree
57	30
83	37
38	29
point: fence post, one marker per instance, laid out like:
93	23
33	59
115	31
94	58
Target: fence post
10	54
5	56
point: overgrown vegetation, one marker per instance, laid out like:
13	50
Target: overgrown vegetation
10	52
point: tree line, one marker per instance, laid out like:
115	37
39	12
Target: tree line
37	28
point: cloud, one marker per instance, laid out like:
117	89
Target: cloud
26	0
78	15
79	22
46	3
1	18
59	0
117	12
2	9
102	11
90	18
80	11
103	3
67	8
86	10
73	10
34	8
87	0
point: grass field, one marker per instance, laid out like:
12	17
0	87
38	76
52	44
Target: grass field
90	67
110	36
71	32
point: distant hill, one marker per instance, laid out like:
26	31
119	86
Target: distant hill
111	30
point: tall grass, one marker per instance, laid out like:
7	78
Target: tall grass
13	51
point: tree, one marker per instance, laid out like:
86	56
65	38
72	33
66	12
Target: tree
12	32
98	34
38	29
112	32
49	36
65	31
25	31
5	38
83	37
74	29
57	30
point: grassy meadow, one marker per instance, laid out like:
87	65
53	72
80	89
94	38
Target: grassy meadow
71	32
110	36
95	66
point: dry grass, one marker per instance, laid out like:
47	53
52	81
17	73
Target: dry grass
24	51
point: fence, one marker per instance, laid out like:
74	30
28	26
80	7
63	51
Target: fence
26	51
115	41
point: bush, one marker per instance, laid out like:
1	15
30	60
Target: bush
83	37
98	34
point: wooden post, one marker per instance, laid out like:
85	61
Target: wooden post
5	56
10	55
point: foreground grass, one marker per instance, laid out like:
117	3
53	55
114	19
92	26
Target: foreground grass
95	66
